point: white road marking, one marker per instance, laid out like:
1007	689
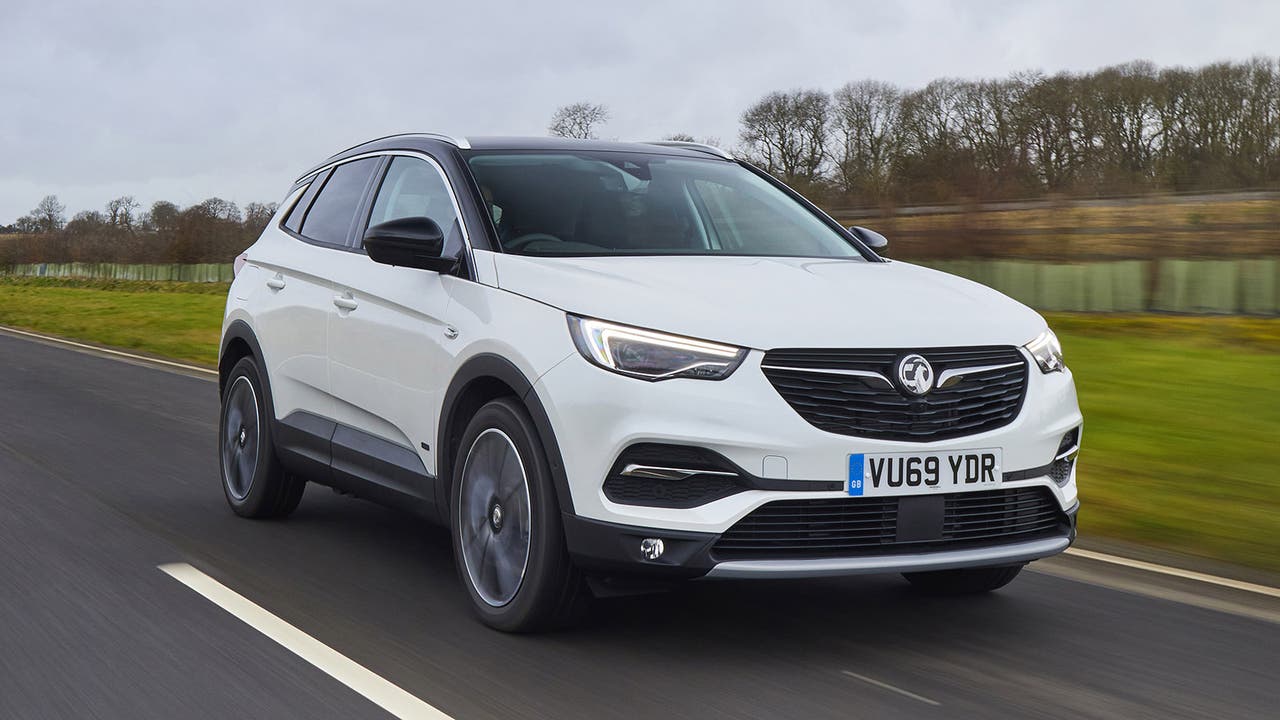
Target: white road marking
377	689
1176	572
891	688
1141	585
94	349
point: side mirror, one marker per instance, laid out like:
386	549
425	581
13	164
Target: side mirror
870	238
415	242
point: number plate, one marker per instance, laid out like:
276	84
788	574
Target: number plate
922	473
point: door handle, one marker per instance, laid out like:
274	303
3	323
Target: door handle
276	283
345	302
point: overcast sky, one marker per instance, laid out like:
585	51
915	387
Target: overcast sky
185	100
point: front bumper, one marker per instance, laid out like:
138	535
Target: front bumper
596	415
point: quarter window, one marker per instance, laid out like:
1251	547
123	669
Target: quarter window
329	219
293	223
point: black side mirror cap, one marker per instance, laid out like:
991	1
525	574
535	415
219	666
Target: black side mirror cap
870	238
415	242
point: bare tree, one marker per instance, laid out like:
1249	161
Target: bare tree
257	215
786	133
1050	117
865	115
578	120
680	137
49	215
1127	99
86	223
219	209
122	212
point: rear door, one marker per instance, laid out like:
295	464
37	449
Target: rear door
292	307
388	332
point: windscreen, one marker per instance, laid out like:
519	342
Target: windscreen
618	203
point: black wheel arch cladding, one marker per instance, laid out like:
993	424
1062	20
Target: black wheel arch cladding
484	369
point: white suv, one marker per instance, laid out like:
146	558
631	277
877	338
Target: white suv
608	366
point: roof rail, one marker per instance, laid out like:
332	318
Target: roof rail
460	143
456	142
695	146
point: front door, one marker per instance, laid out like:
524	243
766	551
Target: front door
389	325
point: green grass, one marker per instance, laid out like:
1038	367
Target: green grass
1182	432
175	320
1182	414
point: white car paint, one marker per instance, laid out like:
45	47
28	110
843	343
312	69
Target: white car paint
777	302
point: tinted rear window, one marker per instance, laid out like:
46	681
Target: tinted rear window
329	219
293	222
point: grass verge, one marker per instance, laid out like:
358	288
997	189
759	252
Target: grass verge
175	320
1182	414
1182	432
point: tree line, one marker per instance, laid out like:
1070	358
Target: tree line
1131	128
1126	129
215	230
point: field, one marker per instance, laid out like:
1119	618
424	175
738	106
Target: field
1182	414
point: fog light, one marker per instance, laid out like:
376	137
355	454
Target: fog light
651	548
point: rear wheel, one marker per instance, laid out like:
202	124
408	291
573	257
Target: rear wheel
255	484
965	581
507	535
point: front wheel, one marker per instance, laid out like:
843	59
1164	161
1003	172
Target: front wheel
966	581
508	539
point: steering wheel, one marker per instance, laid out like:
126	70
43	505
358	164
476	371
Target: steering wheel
527	239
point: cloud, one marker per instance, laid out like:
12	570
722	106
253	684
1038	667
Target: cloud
183	101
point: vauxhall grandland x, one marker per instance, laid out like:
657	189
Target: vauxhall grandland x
608	366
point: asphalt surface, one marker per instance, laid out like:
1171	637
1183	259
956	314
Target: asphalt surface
108	469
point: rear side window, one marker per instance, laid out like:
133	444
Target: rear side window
329	218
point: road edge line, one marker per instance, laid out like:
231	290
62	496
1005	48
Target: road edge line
892	688
1175	572
370	685
96	349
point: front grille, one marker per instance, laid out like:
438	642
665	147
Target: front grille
867	407
849	526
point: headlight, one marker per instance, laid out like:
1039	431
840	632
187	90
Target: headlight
650	355
1047	351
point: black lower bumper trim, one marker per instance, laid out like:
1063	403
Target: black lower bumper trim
609	548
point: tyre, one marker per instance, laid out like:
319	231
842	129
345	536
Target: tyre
508	539
255	484
965	581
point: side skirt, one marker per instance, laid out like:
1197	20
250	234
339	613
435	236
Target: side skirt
353	461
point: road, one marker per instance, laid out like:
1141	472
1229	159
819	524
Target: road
108	470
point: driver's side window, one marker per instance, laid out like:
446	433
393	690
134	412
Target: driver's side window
413	187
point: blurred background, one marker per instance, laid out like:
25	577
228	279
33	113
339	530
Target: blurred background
1122	177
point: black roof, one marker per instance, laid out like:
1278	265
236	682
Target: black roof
428	142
